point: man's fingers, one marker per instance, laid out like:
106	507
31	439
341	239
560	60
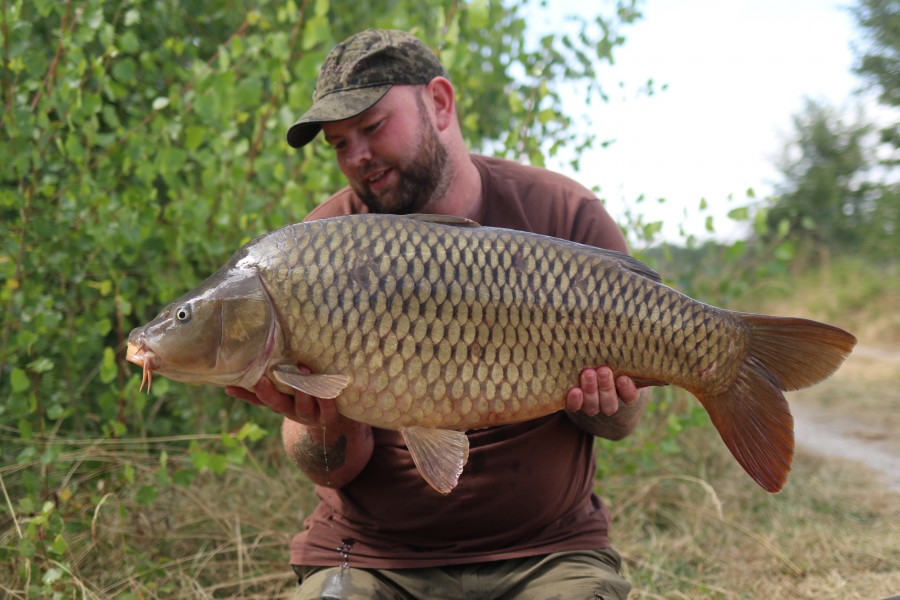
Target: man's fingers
627	389
328	412
601	391
242	394
574	400
606	385
591	392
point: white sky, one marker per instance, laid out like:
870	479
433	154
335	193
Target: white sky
736	70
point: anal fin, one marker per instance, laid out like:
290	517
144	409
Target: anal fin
754	421
439	454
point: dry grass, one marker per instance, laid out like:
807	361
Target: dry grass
693	527
222	536
706	531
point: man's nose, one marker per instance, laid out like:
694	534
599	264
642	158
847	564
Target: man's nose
357	154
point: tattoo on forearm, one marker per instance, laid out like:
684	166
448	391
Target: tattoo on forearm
319	459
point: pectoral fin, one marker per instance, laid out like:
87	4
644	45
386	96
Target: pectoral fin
317	385
439	454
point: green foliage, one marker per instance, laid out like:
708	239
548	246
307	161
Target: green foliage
879	57
831	198
142	142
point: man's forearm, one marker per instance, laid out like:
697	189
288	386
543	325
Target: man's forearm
618	425
330	455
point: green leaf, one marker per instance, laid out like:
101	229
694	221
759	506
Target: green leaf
741	213
59	545
128	473
478	14
147	494
124	70
251	431
183	477
162	474
316	31
321	8
26	548
41	365
217	463
785	251
132	17
108	368
19	380
103	326
52	575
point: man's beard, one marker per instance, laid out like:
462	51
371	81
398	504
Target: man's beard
424	179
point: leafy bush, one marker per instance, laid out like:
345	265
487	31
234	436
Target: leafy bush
142	143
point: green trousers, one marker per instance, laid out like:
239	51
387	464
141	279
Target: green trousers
589	575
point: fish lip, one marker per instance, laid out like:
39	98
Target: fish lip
145	358
141	356
133	354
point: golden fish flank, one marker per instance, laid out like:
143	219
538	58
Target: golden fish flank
433	326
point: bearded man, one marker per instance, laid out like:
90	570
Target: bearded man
523	521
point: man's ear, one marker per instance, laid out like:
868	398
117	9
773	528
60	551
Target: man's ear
443	98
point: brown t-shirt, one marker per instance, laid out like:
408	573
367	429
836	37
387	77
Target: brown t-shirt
527	488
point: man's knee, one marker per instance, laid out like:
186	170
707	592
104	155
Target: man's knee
587	575
341	583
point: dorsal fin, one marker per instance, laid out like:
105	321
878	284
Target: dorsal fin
628	262
444	220
636	266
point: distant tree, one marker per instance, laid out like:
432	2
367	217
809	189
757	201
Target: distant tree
879	58
827	198
878	62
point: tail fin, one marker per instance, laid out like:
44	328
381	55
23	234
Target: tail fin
752	416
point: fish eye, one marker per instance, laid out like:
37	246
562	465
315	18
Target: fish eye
183	313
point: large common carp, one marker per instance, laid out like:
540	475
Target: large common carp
433	326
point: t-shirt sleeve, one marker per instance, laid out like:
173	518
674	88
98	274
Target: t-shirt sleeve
344	202
594	226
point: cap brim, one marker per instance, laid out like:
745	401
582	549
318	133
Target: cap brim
333	107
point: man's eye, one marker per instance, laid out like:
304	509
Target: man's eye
374	126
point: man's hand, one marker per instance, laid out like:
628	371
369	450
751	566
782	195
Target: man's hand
606	406
331	449
301	408
601	392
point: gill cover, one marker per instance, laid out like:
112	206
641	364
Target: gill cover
220	333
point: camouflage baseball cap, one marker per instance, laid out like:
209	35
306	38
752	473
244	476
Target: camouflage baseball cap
358	72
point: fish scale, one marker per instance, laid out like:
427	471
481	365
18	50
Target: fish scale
433	326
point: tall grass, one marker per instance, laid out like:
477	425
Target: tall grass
698	528
691	526
116	529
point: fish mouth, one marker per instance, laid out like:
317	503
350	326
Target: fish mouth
144	358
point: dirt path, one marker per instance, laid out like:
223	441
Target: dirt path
855	415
